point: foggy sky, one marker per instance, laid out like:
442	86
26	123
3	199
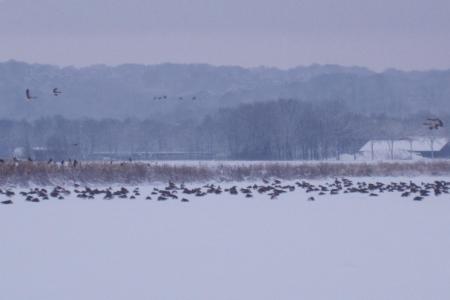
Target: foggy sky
404	34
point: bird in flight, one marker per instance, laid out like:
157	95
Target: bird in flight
434	123
29	96
56	92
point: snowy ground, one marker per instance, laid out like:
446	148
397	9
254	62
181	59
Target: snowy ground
227	247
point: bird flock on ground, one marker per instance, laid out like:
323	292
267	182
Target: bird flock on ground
271	188
63	163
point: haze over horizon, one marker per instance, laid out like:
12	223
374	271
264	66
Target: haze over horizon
405	35
280	68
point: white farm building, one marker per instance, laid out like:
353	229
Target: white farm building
412	148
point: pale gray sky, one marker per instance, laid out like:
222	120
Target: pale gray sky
405	34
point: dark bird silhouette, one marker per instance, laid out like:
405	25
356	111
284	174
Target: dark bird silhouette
29	96
56	92
434	123
50	161
436	120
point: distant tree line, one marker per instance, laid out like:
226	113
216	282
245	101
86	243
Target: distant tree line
279	130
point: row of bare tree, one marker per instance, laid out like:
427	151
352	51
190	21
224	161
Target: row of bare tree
279	130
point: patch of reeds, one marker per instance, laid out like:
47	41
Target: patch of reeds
23	173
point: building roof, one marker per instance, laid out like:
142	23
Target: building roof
419	144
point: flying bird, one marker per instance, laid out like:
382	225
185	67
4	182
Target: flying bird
29	96
437	122
56	92
433	123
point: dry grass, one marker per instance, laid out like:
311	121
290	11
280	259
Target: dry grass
132	173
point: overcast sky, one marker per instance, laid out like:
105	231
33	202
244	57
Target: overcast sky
404	34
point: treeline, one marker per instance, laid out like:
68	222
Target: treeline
289	129
278	130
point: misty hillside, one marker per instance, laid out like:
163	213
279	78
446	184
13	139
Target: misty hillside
130	90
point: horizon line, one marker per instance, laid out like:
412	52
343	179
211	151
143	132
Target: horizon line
315	64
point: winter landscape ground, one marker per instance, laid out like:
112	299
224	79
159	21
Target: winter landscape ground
230	246
224	150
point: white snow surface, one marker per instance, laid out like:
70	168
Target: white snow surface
228	247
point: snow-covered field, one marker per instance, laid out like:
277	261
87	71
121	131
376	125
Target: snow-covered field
345	246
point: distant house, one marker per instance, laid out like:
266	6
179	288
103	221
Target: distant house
411	148
182	156
38	153
43	154
151	156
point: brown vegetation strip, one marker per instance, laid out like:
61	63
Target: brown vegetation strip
96	172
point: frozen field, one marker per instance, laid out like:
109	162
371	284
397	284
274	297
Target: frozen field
345	246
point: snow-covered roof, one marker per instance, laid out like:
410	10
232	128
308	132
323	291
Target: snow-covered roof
416	144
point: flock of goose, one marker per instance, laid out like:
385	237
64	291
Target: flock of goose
56	92
271	188
164	97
